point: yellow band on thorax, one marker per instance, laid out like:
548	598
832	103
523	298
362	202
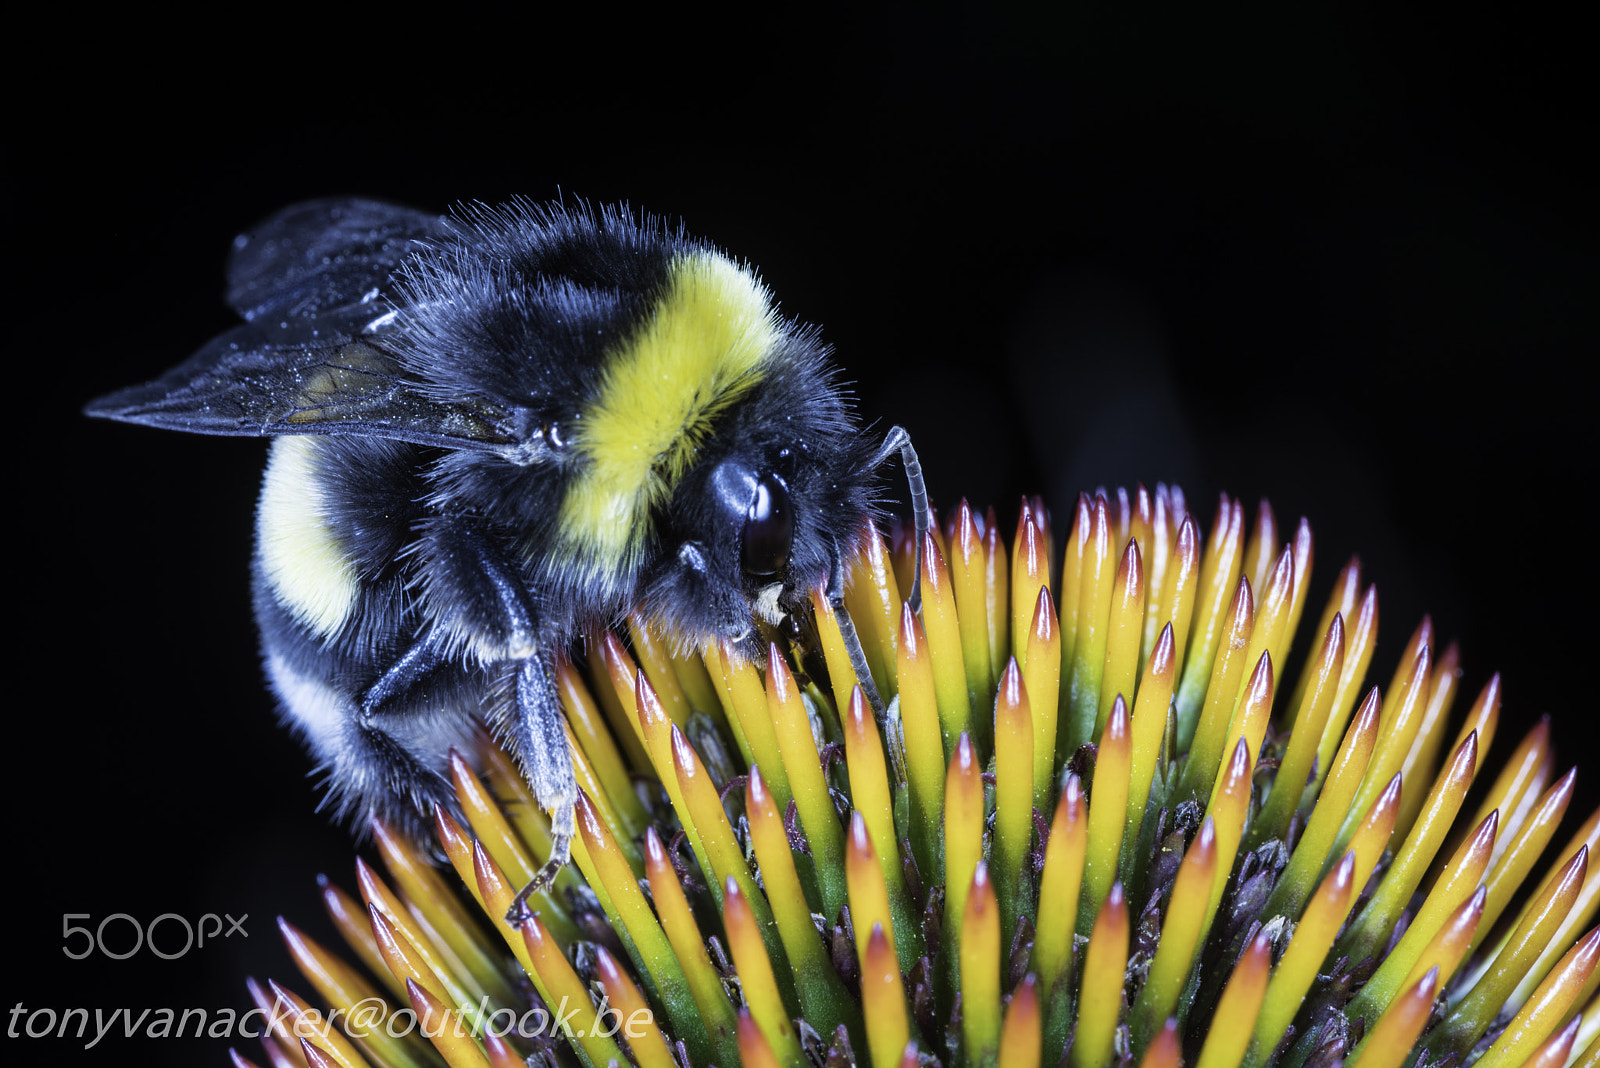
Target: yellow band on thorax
703	347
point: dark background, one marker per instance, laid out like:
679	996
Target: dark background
1342	258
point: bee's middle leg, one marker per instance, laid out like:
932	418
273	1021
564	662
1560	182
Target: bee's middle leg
540	736
494	619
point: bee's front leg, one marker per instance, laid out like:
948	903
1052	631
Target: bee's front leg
541	741
852	639
898	440
858	663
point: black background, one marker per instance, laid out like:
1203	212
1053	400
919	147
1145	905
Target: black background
1342	258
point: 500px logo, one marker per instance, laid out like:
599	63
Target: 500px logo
194	934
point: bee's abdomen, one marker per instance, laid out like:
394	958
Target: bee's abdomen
333	529
330	628
305	566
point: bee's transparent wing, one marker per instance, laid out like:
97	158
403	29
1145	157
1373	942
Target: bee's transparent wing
262	379
313	283
311	259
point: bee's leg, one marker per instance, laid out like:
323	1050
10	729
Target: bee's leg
540	737
494	621
386	758
852	640
479	600
900	441
858	663
497	624
417	664
511	603
537	727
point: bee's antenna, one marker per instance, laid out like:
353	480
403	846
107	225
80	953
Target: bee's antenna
900	441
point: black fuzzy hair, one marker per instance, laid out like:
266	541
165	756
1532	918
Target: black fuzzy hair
523	303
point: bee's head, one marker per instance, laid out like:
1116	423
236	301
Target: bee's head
753	531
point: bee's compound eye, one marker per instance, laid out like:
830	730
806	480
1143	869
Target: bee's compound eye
768	529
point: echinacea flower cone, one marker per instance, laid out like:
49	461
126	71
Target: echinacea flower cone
1099	824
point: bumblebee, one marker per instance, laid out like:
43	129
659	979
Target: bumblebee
492	431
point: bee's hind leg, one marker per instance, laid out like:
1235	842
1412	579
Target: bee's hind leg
540	738
417	664
379	761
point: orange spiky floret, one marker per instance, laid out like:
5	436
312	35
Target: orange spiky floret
1098	817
